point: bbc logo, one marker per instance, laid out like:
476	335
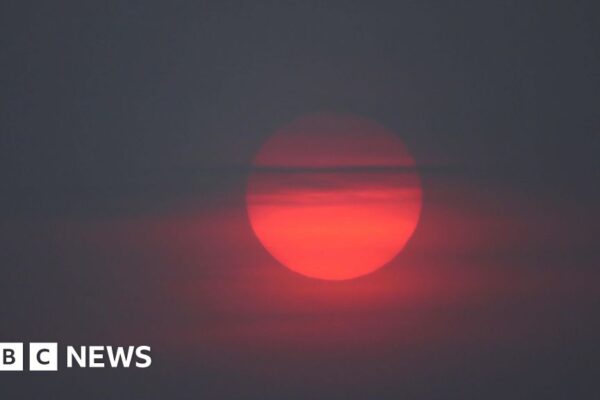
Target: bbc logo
42	356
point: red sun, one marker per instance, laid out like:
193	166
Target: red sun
333	196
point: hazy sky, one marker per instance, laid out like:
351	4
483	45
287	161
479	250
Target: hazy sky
126	135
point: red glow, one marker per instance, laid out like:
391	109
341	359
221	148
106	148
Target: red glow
333	197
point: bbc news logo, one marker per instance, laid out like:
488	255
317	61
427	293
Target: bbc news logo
44	357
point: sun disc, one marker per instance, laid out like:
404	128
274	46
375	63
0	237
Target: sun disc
333	196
